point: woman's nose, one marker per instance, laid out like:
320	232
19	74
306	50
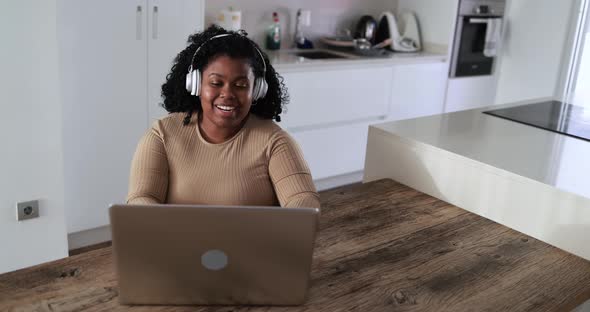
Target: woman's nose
227	92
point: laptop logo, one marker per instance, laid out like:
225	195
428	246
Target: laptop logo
214	260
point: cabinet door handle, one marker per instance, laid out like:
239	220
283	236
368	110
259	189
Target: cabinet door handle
155	23
138	18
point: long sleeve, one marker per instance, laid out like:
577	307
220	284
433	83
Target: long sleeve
290	174
148	180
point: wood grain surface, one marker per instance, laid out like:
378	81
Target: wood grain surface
381	247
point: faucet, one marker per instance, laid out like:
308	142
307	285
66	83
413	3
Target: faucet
303	17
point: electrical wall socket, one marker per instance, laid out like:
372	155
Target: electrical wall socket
27	210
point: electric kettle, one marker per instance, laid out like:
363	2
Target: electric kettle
404	34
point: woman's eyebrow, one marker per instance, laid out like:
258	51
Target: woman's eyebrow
222	76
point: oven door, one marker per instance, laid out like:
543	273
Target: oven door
468	53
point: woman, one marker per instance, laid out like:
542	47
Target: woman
219	144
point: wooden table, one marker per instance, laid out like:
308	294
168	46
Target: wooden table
382	247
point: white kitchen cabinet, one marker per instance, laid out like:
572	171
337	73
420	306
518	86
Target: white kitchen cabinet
114	55
329	114
330	110
334	151
170	22
336	96
418	90
535	56
470	92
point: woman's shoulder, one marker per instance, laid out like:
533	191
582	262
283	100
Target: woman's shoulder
171	121
269	132
169	124
265	127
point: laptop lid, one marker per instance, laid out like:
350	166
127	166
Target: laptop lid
181	254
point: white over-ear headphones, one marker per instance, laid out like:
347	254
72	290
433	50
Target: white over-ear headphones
193	77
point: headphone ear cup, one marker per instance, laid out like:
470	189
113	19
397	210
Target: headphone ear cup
196	88
264	88
260	88
188	84
256	90
193	82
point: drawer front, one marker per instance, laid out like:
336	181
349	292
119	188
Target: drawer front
474	92
334	151
336	96
418	90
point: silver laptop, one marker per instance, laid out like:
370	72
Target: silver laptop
210	255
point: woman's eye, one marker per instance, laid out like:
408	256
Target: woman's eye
242	84
215	83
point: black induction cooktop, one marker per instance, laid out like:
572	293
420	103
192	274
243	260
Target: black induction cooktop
553	116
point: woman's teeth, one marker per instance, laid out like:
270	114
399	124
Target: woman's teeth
225	108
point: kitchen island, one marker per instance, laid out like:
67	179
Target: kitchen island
381	247
531	180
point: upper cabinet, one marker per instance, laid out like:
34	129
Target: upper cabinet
114	56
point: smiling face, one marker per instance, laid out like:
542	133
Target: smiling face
226	96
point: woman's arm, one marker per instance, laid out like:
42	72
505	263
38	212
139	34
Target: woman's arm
148	181
290	175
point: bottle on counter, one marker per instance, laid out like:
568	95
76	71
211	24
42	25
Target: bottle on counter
273	36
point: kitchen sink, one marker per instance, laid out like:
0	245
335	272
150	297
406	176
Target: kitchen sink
314	55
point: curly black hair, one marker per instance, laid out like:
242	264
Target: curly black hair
237	45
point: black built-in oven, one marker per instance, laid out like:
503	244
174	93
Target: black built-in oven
474	47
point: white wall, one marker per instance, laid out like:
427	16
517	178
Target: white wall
535	48
30	130
581	95
327	16
437	19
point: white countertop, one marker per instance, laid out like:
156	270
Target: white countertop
554	159
286	60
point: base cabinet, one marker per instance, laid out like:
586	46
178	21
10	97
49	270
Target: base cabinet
470	92
418	90
323	97
329	114
334	151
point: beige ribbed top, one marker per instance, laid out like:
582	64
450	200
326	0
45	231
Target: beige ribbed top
260	165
